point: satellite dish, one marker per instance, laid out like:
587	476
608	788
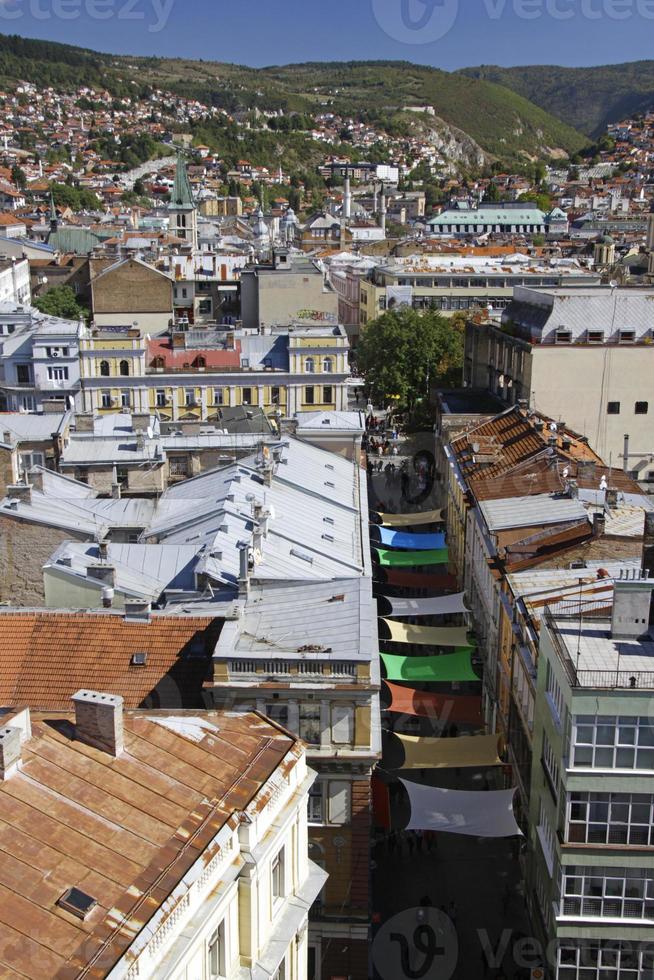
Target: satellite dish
566	473
614	284
554	427
150	432
603	484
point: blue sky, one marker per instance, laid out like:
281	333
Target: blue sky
264	32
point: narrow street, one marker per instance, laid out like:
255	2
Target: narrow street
474	881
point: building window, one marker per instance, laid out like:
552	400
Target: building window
327	395
610	818
122	476
105	370
310	723
309	365
276	395
124	368
340	802
125	399
278	711
246	396
180	466
554	697
278	890
309	395
550	765
218	396
547	838
342	724
23	374
315	812
607	892
642	408
281	971
161	398
189	396
216	954
328	365
603	959
205	307
105	399
609	742
613	408
58	374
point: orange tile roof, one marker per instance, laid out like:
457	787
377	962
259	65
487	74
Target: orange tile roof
124	830
49	655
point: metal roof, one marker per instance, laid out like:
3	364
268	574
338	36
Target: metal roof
530	511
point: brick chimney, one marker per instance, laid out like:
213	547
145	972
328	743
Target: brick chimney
20	491
10	742
99	721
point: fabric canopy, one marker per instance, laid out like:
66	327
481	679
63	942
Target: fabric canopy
444	708
412	520
449	753
419	580
448	667
405	559
437	606
433	636
399	539
475	814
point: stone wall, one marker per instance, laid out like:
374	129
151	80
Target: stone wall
24	549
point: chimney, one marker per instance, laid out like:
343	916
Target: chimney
140	421
99	721
138	610
84	422
8	437
103	549
244	570
36	479
10	742
20	491
140	441
625	453
599	525
268	474
611	497
102	573
107	597
648	541
229	340
115	491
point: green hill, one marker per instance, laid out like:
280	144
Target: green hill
504	123
585	98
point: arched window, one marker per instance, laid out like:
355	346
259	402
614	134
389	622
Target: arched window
104	369
159	362
124	368
310	365
200	362
328	365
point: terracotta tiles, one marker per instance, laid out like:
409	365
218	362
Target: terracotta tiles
124	830
46	657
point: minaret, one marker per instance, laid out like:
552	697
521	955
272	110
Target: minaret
383	211
182	210
347	196
54	220
650	239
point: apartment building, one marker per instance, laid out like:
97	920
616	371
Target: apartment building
190	375
39	360
174	847
590	864
519	217
454	283
584	356
275	549
291	288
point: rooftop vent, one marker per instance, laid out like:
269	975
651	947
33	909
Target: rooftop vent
77	902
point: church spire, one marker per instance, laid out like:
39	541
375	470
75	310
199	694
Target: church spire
54	219
182	209
182	196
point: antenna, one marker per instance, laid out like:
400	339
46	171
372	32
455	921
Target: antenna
603	484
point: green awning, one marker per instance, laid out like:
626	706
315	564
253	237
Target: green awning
449	667
405	559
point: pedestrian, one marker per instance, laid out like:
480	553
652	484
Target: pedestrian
395	451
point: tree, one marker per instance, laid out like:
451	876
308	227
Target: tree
18	177
403	352
60	301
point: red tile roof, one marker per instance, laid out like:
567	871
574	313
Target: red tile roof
47	656
179	359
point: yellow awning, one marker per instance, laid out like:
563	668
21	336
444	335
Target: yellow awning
409	520
433	636
450	753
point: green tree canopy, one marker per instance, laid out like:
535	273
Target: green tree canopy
60	301
404	351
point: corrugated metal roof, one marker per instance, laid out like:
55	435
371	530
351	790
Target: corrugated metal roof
531	511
